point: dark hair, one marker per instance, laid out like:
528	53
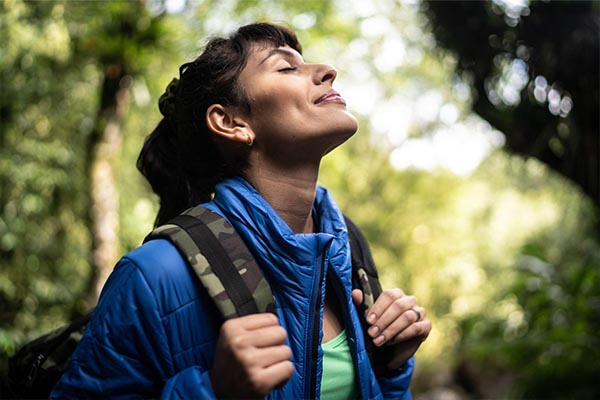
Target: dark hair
179	158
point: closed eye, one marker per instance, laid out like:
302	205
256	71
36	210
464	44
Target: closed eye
288	69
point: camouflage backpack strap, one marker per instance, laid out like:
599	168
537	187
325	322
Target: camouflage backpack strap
221	260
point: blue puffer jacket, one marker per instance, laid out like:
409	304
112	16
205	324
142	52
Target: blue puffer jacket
154	331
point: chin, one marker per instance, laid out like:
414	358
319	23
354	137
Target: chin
351	128
341	137
346	124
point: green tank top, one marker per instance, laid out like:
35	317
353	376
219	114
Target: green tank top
339	378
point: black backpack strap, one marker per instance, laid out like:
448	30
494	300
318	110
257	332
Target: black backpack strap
221	260
366	278
36	367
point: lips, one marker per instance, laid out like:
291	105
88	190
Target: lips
330	96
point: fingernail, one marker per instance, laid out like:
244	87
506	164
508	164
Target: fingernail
378	341
371	318
373	331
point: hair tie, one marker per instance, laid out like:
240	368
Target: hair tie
166	102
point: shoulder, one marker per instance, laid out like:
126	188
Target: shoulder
156	267
157	260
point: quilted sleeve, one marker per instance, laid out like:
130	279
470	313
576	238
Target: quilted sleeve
125	352
397	387
191	383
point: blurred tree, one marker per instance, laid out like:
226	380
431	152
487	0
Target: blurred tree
66	69
506	261
547	343
534	70
69	69
119	39
44	241
534	74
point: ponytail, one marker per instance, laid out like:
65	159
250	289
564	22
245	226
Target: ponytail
158	162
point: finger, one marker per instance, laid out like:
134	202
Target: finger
268	336
276	375
415	314
382	303
417	331
404	322
395	311
262	337
251	322
420	313
357	297
265	357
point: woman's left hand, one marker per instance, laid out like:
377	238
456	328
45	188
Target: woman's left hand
397	321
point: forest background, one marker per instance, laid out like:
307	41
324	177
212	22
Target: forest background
474	173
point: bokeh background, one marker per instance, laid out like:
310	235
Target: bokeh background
475	172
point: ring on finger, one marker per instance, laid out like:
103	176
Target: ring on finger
417	312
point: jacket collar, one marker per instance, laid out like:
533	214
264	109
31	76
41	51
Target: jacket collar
294	264
281	253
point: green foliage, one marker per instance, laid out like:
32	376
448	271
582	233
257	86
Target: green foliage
505	260
545	334
44	240
549	339
52	63
560	294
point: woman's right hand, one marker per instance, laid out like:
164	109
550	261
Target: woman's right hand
251	358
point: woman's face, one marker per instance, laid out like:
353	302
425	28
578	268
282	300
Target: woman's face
295	111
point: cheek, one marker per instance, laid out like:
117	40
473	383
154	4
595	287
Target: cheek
277	94
268	104
270	108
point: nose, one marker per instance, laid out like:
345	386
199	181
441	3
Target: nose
324	73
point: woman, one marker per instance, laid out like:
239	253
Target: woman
245	128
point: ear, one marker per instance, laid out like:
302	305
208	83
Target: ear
229	123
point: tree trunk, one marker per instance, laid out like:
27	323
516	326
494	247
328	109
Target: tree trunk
103	149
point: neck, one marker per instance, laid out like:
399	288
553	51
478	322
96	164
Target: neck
291	192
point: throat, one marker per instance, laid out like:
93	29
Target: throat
292	198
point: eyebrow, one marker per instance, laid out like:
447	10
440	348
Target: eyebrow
283	52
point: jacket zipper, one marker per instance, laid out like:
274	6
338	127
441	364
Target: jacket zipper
311	357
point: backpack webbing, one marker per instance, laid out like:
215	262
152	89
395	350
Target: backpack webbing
210	244
218	256
364	273
365	277
221	260
228	271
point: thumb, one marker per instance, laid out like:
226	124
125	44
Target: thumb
357	297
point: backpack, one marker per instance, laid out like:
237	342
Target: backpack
213	249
